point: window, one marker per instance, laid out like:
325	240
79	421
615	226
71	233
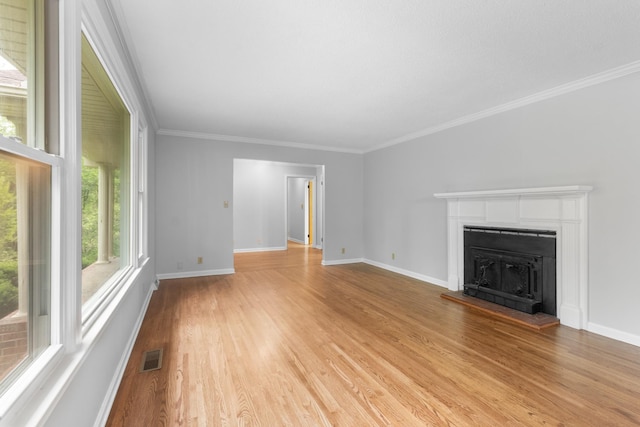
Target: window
25	191
16	64
25	211
105	182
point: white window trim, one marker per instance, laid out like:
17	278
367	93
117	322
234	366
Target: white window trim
93	309
44	364
142	236
22	150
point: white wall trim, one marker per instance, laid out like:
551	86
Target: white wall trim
412	274
105	408
614	334
342	261
592	80
261	141
271	249
188	274
291	239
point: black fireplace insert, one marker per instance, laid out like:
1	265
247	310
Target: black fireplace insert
511	267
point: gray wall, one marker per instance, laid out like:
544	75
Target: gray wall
259	203
590	136
195	177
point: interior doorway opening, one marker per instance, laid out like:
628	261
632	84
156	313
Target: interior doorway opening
275	203
302	221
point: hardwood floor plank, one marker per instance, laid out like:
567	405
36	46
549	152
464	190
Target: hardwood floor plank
287	342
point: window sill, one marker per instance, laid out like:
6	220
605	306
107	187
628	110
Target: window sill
20	393
30	400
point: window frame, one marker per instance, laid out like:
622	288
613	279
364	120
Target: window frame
98	303
39	367
41	116
142	235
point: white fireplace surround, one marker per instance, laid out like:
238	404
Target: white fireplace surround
560	209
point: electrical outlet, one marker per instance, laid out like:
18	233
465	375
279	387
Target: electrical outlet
343	250
179	265
199	260
393	255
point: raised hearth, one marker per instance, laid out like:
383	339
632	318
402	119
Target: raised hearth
562	210
538	321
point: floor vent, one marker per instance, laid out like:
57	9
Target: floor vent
151	360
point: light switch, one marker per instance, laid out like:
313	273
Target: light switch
226	204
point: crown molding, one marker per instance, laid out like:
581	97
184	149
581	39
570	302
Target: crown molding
247	140
592	80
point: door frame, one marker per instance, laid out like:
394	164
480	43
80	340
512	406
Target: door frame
314	202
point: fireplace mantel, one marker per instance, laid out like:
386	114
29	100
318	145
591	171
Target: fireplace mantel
560	209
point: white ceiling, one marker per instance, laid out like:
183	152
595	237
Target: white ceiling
360	74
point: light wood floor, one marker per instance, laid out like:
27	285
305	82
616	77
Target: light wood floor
288	342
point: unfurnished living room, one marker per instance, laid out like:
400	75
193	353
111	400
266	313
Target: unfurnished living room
330	213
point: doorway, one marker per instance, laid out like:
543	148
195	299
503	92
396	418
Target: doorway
309	211
267	214
303	221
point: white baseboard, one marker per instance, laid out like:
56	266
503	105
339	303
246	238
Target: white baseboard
110	397
342	261
273	248
613	334
421	277
188	274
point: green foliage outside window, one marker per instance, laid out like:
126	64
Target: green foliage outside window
90	214
8	239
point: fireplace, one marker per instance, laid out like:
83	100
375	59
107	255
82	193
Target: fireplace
512	267
560	209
